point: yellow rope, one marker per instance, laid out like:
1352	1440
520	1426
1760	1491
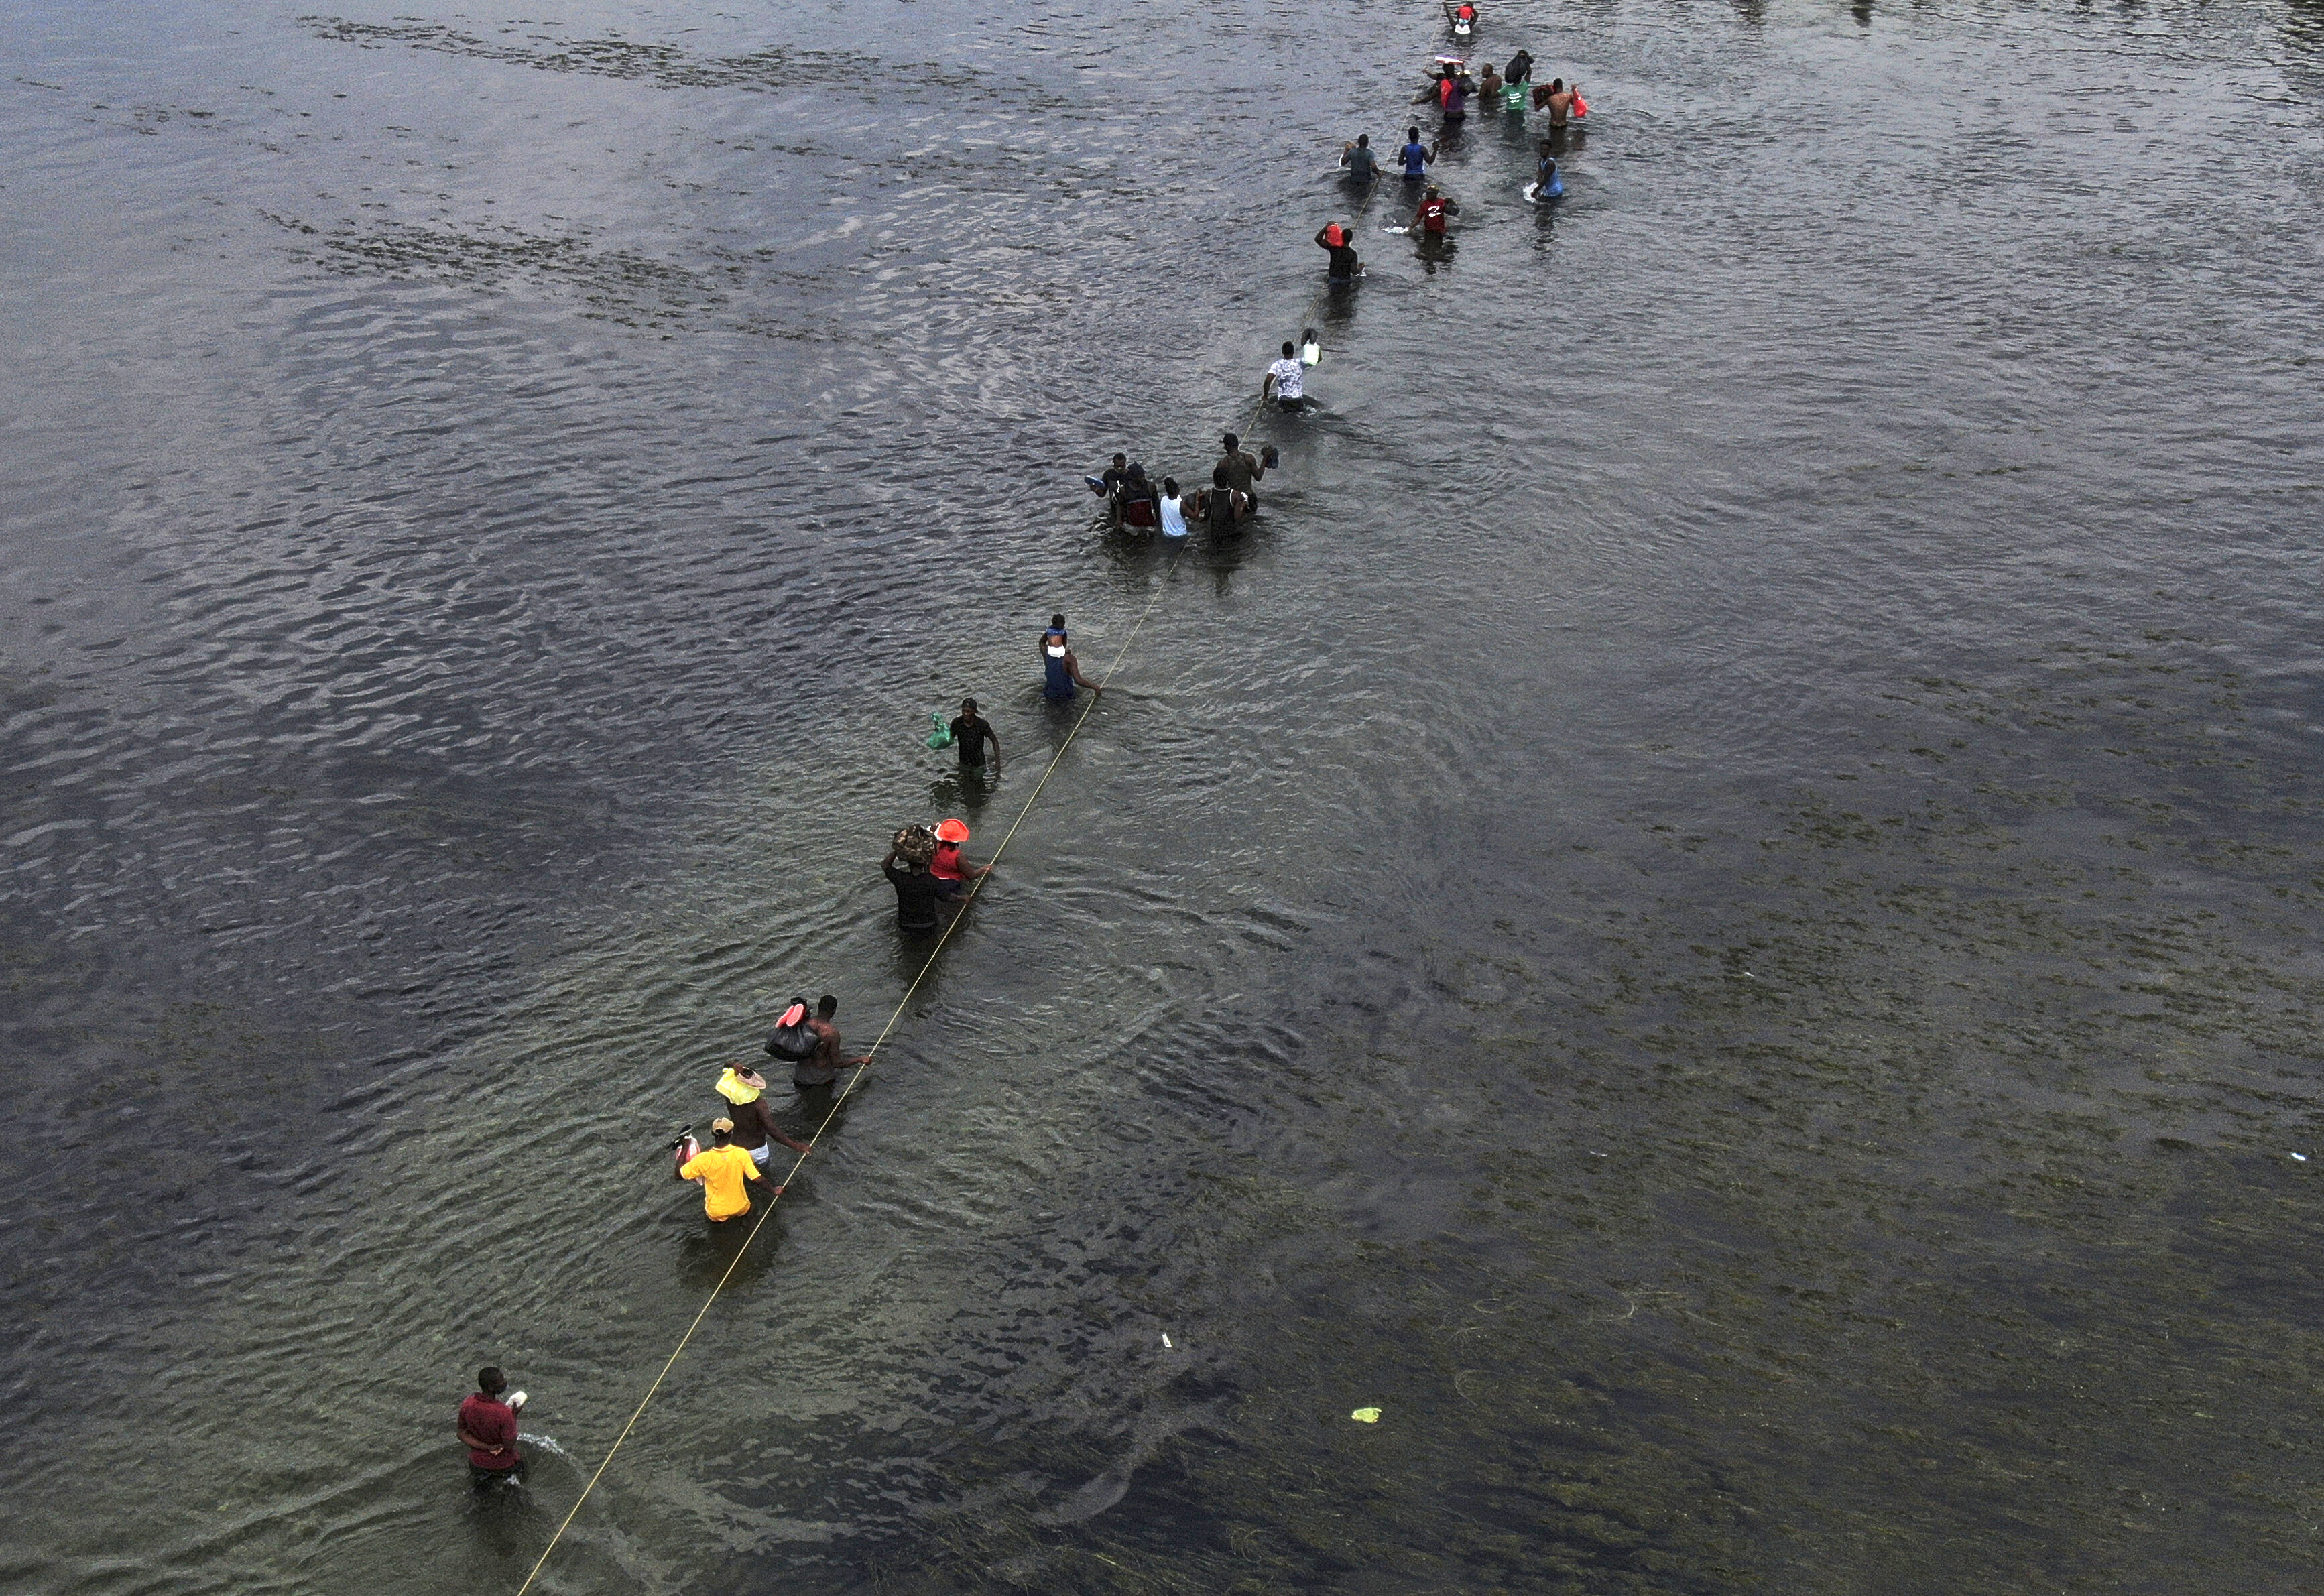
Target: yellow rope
768	1212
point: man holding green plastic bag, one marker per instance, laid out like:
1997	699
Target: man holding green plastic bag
971	731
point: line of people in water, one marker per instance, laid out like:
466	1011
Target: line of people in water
924	864
1451	89
742	1140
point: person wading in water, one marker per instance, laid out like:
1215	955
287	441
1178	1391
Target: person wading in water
721	1170
1061	672
487	1428
970	733
755	1131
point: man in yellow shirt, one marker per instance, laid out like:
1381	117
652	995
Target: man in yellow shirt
721	1169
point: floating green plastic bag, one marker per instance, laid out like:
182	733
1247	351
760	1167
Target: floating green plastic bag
1366	1415
942	737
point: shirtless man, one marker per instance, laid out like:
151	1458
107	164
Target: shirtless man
1242	472
1558	99
814	1077
755	1130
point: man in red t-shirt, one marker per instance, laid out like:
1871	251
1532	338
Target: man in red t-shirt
487	1428
1429	220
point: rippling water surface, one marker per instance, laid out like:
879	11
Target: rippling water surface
1717	911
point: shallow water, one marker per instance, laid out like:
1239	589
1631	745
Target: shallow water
1717	912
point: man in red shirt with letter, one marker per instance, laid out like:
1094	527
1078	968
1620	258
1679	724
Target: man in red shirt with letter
1429	220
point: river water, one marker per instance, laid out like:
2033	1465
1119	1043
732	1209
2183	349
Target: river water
1717	912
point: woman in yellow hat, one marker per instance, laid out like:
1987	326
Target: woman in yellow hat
753	1122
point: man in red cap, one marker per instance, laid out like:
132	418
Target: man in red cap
948	865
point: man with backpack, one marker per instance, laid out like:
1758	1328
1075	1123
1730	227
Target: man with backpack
824	1068
796	1041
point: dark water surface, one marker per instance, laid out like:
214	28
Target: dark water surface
1718	913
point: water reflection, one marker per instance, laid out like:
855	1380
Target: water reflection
966	787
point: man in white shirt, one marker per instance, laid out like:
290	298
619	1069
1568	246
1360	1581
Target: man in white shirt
1285	382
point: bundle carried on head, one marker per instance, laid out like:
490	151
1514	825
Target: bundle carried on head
916	843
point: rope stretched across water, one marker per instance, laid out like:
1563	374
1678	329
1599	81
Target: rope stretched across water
768	1210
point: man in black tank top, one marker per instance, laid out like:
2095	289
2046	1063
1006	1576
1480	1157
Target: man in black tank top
1220	509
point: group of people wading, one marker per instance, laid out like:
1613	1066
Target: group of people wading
923	864
1135	503
1453	89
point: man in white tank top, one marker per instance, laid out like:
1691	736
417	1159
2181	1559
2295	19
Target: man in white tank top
1173	510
